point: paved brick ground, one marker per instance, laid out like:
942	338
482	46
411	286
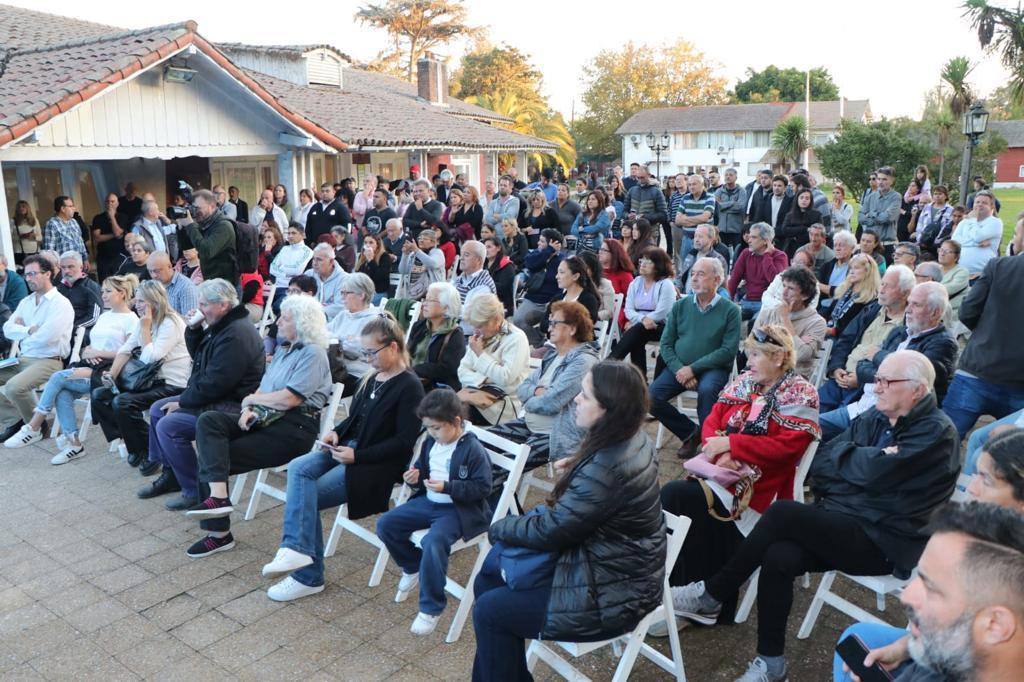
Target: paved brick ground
95	584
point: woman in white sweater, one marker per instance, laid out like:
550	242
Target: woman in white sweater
289	262
422	264
496	362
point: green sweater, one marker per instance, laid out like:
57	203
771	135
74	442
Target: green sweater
702	340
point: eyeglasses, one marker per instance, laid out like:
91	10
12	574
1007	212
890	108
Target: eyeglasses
432	300
645	261
555	323
373	353
884	383
33	273
761	337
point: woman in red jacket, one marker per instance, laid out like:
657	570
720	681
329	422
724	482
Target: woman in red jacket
765	418
618	269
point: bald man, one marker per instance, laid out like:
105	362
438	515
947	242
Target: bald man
181	292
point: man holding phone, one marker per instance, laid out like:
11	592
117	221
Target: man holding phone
966	607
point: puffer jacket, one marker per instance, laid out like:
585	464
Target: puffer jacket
609	532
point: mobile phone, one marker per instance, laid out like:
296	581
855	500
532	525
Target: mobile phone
853	650
320	445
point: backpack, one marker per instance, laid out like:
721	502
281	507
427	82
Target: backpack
247	246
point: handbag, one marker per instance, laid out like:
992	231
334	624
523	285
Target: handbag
137	376
536	280
741	480
521	568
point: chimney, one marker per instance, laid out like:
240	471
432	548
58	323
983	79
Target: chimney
432	80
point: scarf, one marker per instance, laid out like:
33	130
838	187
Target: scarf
791	402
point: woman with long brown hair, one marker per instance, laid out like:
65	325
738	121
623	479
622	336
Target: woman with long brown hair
592	225
371	262
602	518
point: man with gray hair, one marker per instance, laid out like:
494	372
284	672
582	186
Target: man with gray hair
226	206
732	209
876	485
181	292
213	236
756	267
474	275
80	289
924	332
150	227
227	365
881	210
329	277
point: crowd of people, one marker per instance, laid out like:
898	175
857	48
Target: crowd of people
210	342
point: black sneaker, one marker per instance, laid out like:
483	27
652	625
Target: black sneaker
14	428
211	508
181	503
149	467
163	484
210	545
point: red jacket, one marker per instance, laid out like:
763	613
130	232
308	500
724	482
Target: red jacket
620	283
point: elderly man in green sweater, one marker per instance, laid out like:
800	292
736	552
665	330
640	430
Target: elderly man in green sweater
698	347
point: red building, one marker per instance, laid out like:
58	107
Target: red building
1010	164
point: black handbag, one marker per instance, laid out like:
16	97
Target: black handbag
137	376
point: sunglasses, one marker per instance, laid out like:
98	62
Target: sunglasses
761	337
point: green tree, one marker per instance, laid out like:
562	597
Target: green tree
785	85
1001	30
860	148
414	27
621	82
955	73
487	69
532	117
1001	105
789	139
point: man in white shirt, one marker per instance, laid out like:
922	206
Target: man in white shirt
42	324
267	206
979	233
150	227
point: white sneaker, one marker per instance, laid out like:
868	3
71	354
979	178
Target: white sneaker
285	561
424	624
660	628
405	585
291	589
24	436
69	453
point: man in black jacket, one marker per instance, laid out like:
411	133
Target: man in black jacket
774	205
875	486
990	379
923	332
241	207
325	214
423	212
80	289
227	365
646	200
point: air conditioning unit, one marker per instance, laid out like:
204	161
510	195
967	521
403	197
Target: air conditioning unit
721	150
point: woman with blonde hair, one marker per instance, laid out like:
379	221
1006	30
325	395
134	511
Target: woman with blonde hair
515	244
858	289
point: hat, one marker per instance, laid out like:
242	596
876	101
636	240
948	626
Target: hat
415	168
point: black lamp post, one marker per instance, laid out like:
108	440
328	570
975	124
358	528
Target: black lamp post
658	145
974	124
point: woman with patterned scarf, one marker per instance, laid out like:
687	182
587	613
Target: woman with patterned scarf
764	419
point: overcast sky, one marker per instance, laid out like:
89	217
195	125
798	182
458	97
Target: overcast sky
888	52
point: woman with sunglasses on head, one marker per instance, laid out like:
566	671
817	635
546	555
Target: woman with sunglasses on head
763	420
357	463
347	326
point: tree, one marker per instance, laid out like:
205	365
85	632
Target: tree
789	139
621	82
1001	29
861	148
955	73
532	117
486	70
1001	105
785	85
414	28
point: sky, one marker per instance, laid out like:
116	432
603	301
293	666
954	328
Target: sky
888	52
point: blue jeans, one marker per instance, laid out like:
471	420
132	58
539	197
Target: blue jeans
665	387
970	397
315	481
833	423
874	636
749	309
832	396
394	529
980	436
61	391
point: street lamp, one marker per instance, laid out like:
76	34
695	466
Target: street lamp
657	146
974	124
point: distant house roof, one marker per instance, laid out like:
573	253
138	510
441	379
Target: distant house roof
729	117
298	50
1012	132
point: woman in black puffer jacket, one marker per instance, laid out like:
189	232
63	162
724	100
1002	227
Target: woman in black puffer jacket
605	523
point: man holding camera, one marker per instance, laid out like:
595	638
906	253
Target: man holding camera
213	236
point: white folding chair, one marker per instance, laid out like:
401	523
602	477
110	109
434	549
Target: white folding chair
601	335
798	494
634	641
342	523
818	376
881	585
414	315
616	332
690	412
515	293
453	271
76	344
511	457
268	308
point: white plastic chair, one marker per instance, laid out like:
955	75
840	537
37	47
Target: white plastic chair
881	585
634	641
453	271
614	332
601	335
268	308
818	376
511	457
690	412
414	316
798	494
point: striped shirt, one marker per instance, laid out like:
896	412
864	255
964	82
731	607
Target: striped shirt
692	206
466	283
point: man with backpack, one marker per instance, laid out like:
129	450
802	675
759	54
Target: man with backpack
213	235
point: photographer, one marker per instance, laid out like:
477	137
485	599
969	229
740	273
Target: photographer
213	236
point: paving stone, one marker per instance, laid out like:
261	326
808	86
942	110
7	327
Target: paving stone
240	649
221	590
45	585
366	663
281	664
122	635
141	548
194	573
14	598
67	660
194	667
121	579
149	593
153	655
29	643
325	643
205	629
73	598
173	612
98	615
250	607
165	561
23	619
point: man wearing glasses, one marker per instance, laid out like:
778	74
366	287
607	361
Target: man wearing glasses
62	232
42	324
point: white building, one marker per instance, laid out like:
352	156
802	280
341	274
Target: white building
729	135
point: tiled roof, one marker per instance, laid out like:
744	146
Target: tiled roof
291	50
727	117
1012	132
26	29
374	117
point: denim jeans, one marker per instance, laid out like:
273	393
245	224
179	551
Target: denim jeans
61	391
833	423
980	436
874	636
665	387
832	396
503	619
749	309
315	481
394	529
970	397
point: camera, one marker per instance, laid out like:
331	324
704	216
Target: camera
185	191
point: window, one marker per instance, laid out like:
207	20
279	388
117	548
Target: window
703	141
46	186
90	204
753	168
11	190
685	140
1020	174
762	138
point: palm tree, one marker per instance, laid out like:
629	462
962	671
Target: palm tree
1001	29
789	139
955	73
531	117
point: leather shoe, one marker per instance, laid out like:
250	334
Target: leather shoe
164	483
690	447
14	428
134	459
180	503
149	467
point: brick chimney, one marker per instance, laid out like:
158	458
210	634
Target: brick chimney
432	80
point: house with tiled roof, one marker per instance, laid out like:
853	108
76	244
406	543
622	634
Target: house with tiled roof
86	108
1009	171
723	136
